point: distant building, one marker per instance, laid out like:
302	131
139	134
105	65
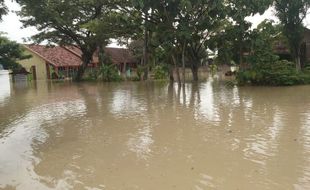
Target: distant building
52	62
121	57
282	49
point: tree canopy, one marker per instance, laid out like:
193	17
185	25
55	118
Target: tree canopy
68	22
10	53
291	15
177	32
3	9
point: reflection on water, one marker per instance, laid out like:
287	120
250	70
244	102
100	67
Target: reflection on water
154	136
19	138
207	107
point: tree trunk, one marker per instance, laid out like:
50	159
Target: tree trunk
195	72
86	60
183	62
296	56
171	77
145	48
298	64
176	69
241	58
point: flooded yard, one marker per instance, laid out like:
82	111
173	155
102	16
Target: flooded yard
151	136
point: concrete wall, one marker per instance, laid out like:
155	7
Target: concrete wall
36	61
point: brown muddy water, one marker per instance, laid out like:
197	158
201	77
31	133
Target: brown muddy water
153	136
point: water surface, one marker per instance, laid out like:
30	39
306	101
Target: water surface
150	136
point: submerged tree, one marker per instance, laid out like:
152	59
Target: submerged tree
291	14
67	23
199	20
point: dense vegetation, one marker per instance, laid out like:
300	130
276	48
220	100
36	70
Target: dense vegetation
171	35
10	52
265	67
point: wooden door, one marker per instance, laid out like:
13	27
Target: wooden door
34	72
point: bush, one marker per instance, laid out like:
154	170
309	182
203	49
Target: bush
160	72
307	68
279	73
109	73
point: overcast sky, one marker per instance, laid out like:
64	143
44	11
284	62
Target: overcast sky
13	27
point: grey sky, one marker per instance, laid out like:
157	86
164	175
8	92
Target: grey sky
13	27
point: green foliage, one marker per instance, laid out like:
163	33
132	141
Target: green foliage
170	32
213	68
160	72
10	53
69	22
174	27
3	9
109	73
265	67
279	73
261	44
234	37
291	15
307	68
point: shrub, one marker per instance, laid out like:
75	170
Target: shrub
109	73
279	73
160	72
307	68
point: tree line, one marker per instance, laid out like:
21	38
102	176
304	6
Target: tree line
176	33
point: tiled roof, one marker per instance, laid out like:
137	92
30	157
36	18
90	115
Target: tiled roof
56	55
117	55
120	55
70	56
78	53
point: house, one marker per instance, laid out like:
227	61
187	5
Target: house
57	61
121	57
281	49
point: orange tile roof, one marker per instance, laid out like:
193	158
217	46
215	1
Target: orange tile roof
120	55
117	55
57	56
70	56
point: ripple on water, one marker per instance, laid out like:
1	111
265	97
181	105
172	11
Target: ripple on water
155	136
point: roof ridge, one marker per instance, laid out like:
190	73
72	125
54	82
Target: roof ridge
71	51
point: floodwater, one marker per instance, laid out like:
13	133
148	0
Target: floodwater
153	136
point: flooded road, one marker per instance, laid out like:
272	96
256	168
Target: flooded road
151	136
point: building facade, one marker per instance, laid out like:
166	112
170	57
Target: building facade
63	62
